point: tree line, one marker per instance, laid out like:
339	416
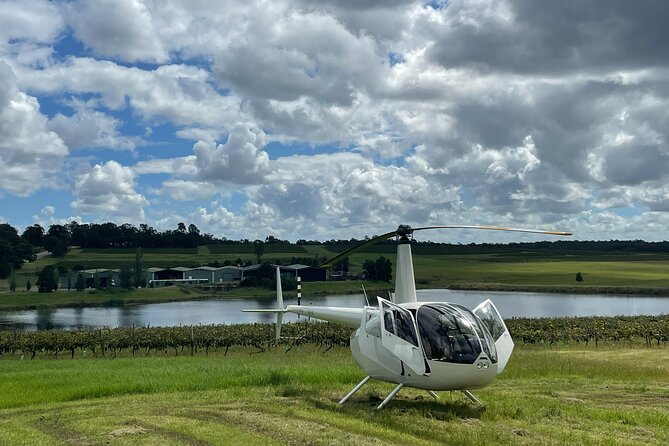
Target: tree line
16	249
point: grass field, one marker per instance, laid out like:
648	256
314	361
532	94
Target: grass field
432	271
119	297
605	396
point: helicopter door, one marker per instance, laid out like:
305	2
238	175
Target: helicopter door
399	335
491	318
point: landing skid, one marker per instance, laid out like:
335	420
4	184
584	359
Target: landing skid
355	389
396	390
471	396
362	383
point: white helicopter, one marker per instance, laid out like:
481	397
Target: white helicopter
433	346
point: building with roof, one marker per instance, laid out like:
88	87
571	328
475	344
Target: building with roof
198	275
101	277
305	272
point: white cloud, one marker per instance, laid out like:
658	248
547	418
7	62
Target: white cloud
240	160
188	190
108	189
28	150
116	28
30	20
182	166
180	94
480	111
88	128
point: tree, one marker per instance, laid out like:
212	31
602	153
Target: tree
28	285
369	268
125	277
579	277
258	249
138	276
47	281
34	235
57	240
12	282
14	250
384	269
379	269
341	266
80	284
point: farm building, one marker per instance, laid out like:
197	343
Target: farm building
214	275
104	277
307	273
201	274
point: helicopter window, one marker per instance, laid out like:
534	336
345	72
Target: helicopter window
400	324
447	335
373	326
492	321
486	339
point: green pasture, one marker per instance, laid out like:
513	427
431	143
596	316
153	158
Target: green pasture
120	297
440	271
112	297
611	395
432	271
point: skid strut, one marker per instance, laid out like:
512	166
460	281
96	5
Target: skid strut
390	396
472	397
355	389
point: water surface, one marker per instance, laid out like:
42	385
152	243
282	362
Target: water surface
229	311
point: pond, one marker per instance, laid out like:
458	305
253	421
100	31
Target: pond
229	311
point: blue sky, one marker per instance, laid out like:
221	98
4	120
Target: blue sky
336	119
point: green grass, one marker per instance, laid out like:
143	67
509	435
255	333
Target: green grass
269	249
432	271
113	296
610	395
120	297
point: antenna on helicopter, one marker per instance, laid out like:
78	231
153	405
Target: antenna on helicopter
279	299
365	293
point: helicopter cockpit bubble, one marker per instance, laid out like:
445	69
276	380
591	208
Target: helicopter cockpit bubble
451	333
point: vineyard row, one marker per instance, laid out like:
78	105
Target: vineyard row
652	330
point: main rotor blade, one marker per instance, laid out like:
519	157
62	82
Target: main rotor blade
494	228
407	230
357	248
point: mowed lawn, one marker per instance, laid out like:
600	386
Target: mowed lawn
607	395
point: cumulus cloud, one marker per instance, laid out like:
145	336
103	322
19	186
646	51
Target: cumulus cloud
180	94
116	28
89	128
528	37
109	189
28	150
240	160
503	111
29	20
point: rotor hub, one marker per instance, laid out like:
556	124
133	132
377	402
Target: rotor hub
404	230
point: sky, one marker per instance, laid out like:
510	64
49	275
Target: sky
335	119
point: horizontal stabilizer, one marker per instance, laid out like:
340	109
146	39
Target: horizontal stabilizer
278	310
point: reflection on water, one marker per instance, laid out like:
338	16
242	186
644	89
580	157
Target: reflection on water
229	311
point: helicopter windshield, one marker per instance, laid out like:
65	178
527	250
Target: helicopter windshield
451	333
